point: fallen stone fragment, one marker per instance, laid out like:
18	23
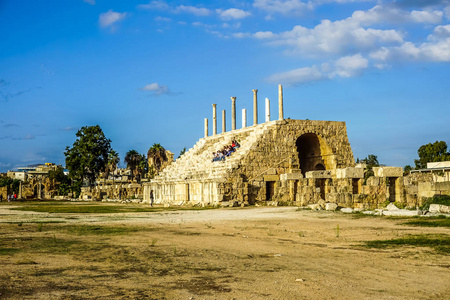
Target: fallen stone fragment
315	206
392	207
439	208
401	213
347	210
331	206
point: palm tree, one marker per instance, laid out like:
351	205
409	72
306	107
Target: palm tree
156	156
142	167
132	159
113	160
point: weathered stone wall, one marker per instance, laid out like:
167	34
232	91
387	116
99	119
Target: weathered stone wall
272	167
117	191
252	173
276	153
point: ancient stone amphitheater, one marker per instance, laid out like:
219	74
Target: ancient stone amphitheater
279	161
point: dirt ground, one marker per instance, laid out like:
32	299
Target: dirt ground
249	253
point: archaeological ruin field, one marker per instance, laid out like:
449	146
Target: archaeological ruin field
97	250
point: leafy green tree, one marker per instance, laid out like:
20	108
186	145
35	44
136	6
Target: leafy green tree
5	181
407	169
61	179
14	184
432	152
370	161
183	151
132	159
113	160
88	155
142	167
156	156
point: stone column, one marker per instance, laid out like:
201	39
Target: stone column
214	119
267	110
206	127
233	113
224	124
20	190
255	107
244	117
280	102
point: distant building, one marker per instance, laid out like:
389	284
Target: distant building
32	171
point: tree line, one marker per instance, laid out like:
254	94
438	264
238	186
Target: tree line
92	155
431	152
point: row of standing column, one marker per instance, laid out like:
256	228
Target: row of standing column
244	112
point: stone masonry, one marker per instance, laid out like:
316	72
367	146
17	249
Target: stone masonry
288	148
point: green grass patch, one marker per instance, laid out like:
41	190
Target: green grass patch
101	230
10	246
360	215
429	222
438	242
8	251
95	208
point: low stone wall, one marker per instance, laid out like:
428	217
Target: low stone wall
116	191
4	193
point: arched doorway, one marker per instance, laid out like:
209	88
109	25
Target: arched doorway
38	191
309	153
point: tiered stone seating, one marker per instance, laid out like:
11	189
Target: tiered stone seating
197	162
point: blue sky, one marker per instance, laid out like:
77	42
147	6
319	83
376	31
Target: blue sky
148	71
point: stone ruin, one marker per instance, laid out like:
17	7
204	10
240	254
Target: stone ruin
290	162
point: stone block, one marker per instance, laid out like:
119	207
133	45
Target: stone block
388	171
331	206
271	171
318	174
315	206
291	176
392	207
271	177
350	172
401	213
439	208
322	203
347	210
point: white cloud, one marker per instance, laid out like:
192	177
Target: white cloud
335	38
437	49
389	14
91	2
241	35
441	31
264	35
110	17
285	7
301	75
344	67
159	5
232	13
422	16
350	66
447	12
198	11
156	88
162	5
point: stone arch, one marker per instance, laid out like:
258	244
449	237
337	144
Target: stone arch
319	166
38	190
314	153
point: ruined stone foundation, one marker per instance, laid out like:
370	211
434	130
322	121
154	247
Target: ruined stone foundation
284	160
